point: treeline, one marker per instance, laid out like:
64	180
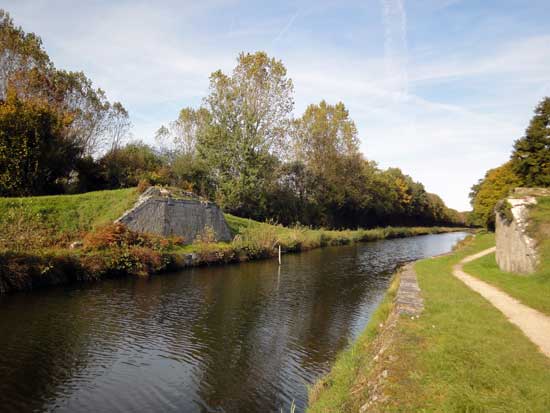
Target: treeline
529	166
241	147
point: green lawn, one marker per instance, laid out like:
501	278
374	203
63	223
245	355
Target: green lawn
532	290
70	213
461	355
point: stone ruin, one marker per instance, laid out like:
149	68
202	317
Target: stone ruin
176	213
515	249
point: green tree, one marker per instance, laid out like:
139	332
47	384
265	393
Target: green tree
34	153
531	155
248	121
325	140
126	166
484	196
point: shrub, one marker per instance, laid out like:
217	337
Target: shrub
118	235
143	185
504	210
23	230
112	235
257	241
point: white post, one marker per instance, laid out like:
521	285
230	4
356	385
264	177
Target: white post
279	254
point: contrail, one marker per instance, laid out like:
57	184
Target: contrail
395	43
287	27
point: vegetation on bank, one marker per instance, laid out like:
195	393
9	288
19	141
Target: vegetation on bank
461	354
534	289
58	239
68	215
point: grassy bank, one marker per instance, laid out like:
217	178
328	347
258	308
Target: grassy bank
460	355
37	233
534	289
336	391
72	213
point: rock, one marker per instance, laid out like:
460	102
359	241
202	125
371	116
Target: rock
515	249
75	245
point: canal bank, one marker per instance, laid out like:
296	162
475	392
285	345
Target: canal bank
459	354
114	251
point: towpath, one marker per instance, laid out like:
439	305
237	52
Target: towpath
534	324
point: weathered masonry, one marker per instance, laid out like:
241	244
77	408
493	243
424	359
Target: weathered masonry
516	250
161	212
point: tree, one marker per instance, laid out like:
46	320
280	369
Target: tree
325	140
484	196
249	114
126	166
531	155
242	146
25	67
18	51
96	124
34	153
118	125
324	134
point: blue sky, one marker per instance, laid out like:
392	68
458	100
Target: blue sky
439	88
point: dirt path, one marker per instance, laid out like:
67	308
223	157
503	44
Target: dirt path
535	325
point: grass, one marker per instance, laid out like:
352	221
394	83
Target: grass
539	228
532	290
300	238
461	355
73	213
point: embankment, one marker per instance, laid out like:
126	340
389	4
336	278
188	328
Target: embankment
51	240
129	254
459	354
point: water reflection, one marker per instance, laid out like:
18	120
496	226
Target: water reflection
222	339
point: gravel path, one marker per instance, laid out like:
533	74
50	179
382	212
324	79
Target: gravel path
534	324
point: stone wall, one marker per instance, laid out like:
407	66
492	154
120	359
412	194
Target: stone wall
516	250
158	212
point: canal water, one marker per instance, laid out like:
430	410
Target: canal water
239	338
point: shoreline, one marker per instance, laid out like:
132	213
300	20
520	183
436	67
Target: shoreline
362	358
20	271
413	362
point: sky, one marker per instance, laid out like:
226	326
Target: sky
438	88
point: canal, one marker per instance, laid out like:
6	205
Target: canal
239	338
